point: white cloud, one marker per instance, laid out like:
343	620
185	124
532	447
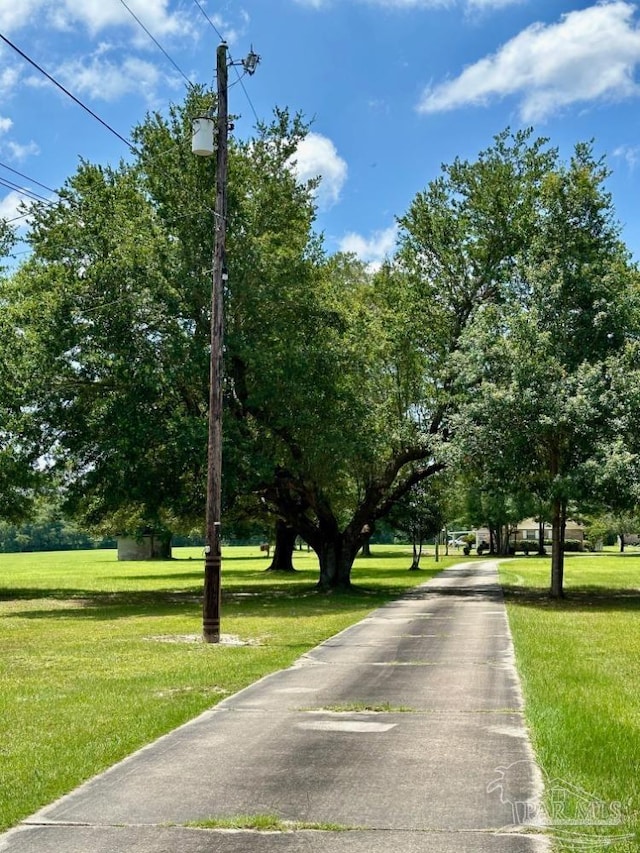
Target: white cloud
95	15
15	15
411	4
470	5
630	154
102	79
393	4
590	55
21	152
317	156
15	150
372	250
10	205
482	5
9	77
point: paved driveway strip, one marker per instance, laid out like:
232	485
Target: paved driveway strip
441	764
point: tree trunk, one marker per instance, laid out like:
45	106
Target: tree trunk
622	543
504	540
283	552
367	533
162	549
336	555
541	550
417	553
558	526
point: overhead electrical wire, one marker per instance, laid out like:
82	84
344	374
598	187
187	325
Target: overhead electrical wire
36	197
157	44
222	38
39	199
27	178
216	30
15	218
30	194
244	89
66	91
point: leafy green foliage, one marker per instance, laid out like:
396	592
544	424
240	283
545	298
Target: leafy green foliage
421	513
18	432
547	357
114	307
47	530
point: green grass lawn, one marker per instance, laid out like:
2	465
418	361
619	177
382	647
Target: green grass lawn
579	660
98	657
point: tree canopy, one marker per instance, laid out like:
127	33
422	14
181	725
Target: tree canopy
549	358
496	339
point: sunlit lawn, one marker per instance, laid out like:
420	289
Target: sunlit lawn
98	657
579	660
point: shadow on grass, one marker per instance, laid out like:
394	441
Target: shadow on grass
251	593
581	598
239	575
74	603
228	573
226	558
248	600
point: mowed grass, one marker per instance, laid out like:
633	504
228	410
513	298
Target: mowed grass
579	660
98	657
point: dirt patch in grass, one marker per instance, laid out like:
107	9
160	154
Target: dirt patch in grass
225	639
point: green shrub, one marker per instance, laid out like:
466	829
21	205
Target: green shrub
573	545
528	546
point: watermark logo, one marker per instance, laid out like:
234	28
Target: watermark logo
577	818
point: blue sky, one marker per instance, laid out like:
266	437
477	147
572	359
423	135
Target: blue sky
394	87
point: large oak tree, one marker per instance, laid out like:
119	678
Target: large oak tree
551	356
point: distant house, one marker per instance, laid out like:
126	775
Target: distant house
527	530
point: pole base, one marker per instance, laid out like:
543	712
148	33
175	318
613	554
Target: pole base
211	602
211	631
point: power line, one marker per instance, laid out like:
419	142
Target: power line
157	43
66	91
28	178
39	199
216	30
239	80
15	218
30	194
244	89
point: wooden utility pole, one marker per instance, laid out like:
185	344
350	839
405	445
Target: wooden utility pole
213	550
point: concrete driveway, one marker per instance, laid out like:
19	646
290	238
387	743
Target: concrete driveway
403	733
